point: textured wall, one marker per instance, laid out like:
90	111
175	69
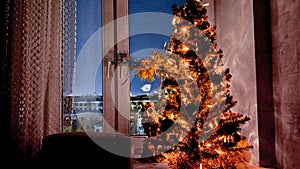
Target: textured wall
235	32
286	75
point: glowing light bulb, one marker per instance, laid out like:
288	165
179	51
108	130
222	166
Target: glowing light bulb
200	165
208	145
206	4
185	48
184	29
172	116
218	151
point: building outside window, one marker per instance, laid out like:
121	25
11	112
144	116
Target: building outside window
87	89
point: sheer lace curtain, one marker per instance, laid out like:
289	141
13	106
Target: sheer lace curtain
31	67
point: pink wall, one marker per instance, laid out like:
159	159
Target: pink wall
286	75
235	33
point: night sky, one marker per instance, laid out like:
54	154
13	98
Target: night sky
148	31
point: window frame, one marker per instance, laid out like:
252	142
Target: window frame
116	114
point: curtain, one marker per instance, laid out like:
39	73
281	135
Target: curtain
31	66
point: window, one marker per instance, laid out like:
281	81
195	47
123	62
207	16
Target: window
117	91
82	19
144	39
93	77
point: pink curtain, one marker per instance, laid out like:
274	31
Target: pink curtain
35	56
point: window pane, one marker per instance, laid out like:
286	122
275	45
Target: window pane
82	66
150	27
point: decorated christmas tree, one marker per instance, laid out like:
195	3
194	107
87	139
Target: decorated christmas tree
192	125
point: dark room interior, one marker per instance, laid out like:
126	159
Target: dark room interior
260	41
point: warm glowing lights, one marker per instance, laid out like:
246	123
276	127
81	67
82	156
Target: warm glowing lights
172	116
184	29
207	145
185	49
221	138
186	64
223	117
206	4
211	125
187	88
218	151
180	138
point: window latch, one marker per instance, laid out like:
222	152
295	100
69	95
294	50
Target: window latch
118	57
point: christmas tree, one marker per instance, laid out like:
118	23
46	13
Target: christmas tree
192	125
